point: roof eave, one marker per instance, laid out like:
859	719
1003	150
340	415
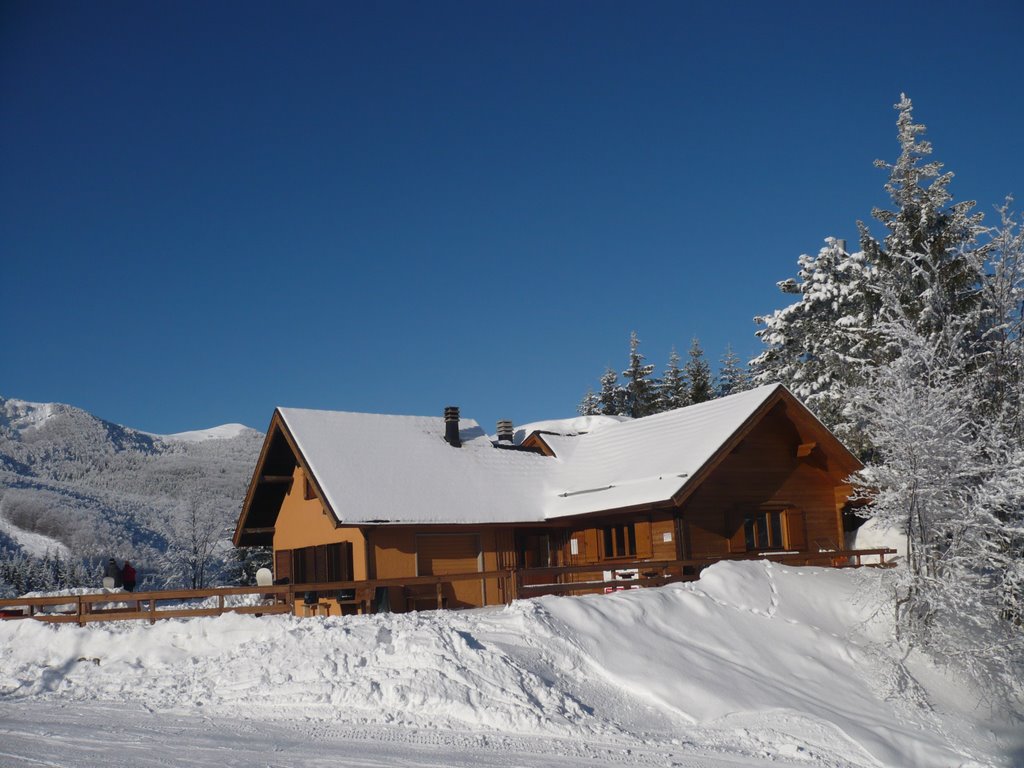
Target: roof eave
278	424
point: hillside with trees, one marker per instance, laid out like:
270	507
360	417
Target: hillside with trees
76	490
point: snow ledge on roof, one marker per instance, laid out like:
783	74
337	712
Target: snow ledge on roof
576	425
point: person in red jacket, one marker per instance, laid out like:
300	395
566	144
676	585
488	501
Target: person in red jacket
128	576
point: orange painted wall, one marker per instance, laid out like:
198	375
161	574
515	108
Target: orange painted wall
305	523
394	556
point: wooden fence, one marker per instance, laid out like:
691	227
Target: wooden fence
513	584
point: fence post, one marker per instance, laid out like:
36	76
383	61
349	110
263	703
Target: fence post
81	618
440	598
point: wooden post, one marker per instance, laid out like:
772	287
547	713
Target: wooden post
440	598
152	610
81	619
220	605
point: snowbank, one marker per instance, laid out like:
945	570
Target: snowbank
873	535
792	663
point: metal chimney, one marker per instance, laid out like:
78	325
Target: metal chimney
505	431
451	426
841	245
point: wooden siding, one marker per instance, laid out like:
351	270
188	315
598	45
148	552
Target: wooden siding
664	544
394	552
439	554
305	522
764	470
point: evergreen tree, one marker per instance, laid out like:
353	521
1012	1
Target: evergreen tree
926	255
915	345
732	374
817	345
243	562
697	374
673	391
640	391
1002	308
612	397
590	405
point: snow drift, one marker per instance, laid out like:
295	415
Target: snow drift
753	654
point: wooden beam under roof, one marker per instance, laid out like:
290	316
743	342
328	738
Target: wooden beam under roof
275	479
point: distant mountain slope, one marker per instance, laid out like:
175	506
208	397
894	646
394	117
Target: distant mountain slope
101	489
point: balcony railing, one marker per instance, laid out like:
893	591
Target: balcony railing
420	591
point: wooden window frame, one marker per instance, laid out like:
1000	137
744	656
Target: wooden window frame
322	563
780	528
618	541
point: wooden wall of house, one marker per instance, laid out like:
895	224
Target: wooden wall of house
764	470
395	552
304	522
656	539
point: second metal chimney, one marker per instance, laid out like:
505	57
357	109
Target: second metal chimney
505	431
451	426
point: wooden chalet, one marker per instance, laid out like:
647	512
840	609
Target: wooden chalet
354	496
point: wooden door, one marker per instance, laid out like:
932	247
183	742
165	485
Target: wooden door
444	553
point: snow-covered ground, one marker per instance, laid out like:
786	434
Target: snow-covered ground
35	544
755	664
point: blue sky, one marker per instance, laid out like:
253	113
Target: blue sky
209	209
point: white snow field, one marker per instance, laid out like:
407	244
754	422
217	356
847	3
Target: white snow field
756	664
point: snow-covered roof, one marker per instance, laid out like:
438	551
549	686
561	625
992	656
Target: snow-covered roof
398	469
375	468
646	460
576	425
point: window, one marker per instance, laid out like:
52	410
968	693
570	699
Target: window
775	527
619	540
763	530
327	562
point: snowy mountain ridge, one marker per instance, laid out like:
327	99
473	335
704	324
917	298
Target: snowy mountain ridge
222	432
98	489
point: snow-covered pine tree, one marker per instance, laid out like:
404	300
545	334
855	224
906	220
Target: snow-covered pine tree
940	402
640	391
243	562
1002	307
612	396
673	391
926	254
590	405
818	345
697	373
733	376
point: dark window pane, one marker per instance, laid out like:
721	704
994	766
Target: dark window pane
775	520
750	533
